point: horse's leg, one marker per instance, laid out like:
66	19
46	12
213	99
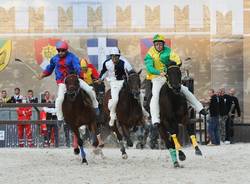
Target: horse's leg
97	141
120	141
126	134
174	129
170	146
190	131
80	143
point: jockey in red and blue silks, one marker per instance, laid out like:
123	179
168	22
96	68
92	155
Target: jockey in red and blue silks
65	63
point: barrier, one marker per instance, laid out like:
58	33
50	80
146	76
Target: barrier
8	124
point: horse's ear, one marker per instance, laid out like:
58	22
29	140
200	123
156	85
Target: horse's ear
171	63
139	72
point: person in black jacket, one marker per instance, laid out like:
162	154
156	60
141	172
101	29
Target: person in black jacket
224	102
232	108
17	96
50	115
213	122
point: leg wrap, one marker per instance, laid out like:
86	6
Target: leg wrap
193	139
176	142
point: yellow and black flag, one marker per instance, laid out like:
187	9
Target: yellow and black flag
5	50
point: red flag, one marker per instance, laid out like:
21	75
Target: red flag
44	50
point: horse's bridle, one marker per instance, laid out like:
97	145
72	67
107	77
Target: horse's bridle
72	93
129	75
167	81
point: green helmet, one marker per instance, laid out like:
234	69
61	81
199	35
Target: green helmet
159	37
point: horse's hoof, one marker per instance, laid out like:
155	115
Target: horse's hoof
198	151
76	151
129	143
124	156
101	145
97	151
182	156
139	146
177	165
84	161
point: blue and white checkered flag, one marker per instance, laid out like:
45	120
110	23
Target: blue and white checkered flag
98	50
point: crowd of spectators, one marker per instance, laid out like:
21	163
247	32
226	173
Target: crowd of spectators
50	132
223	108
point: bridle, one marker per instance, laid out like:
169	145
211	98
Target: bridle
72	93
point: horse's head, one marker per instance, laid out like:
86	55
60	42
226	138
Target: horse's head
174	77
72	85
134	83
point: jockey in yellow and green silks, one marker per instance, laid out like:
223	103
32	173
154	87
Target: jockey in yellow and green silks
156	61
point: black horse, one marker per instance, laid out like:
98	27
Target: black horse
128	110
174	111
77	111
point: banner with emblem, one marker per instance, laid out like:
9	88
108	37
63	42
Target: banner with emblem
5	51
146	43
45	49
98	50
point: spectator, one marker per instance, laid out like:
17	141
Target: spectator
24	113
224	103
50	115
4	97
213	121
17	96
31	98
232	108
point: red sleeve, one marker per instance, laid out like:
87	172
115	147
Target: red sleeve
95	73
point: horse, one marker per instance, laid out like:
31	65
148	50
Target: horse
77	111
174	111
129	110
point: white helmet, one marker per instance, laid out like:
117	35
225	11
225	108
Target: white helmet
114	51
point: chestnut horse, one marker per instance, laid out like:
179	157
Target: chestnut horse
77	111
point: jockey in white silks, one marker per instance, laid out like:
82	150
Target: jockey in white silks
65	63
116	67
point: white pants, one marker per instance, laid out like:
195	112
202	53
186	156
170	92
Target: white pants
60	97
115	86
158	82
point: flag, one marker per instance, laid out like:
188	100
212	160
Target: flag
45	49
98	50
5	51
146	43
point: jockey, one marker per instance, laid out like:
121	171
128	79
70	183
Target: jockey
115	67
64	64
89	72
156	60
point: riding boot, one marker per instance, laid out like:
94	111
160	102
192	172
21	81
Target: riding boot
154	136
97	111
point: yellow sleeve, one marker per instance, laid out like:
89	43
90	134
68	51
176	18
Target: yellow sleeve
175	57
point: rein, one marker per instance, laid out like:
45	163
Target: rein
167	81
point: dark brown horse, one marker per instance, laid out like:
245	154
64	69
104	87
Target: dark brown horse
174	111
128	110
77	111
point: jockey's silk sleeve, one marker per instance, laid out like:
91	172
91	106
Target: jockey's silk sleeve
76	65
50	67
